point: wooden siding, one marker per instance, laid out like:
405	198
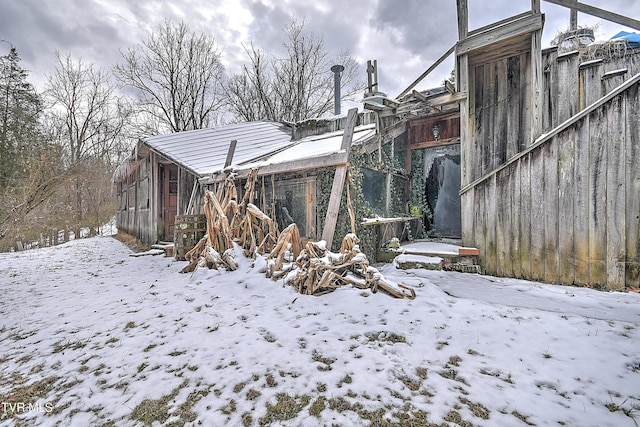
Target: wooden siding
566	210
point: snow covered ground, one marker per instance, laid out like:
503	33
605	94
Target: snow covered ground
92	336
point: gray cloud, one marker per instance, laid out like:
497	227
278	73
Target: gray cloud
405	37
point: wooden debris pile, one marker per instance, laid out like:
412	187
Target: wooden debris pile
317	271
229	221
312	270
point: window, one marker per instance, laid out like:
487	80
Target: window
132	197
374	190
143	194
294	201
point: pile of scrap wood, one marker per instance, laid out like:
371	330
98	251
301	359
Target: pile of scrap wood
312	270
315	270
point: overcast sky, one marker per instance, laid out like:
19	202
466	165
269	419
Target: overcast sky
404	36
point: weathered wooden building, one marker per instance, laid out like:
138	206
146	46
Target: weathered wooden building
550	153
160	179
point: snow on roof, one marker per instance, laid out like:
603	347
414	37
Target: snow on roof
313	146
205	150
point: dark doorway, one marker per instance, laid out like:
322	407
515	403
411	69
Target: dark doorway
442	191
169	199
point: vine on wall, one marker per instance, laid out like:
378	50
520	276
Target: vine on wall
418	185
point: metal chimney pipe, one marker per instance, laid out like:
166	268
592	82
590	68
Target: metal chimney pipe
337	73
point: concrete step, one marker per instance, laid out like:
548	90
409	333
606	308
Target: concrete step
433	255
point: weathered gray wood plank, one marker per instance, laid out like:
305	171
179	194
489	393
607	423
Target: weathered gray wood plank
525	217
615	113
502	219
590	83
516	213
537	215
480	226
567	86
566	190
550	105
338	181
597	198
632	183
490	233
581	206
551	206
501	113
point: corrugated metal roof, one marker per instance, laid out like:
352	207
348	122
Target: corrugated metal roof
205	150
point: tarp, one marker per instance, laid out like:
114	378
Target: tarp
632	38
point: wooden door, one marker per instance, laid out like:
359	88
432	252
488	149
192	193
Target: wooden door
170	199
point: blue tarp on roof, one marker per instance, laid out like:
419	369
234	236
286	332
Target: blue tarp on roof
632	38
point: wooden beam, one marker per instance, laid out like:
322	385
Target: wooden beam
509	30
338	181
429	70
449	87
335	159
535	6
418	95
600	13
373	106
463	19
230	153
448	99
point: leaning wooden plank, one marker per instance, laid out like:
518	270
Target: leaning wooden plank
338	181
600	13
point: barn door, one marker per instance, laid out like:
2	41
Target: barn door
170	199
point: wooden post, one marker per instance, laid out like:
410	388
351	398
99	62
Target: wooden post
230	153
338	181
535	6
466	132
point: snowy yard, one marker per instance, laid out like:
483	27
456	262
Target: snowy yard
92	336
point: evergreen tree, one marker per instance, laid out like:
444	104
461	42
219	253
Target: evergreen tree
20	108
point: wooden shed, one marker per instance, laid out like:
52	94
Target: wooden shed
550	153
160	179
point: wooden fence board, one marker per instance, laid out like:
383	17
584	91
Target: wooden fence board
550	167
537	215
597	198
566	190
525	217
504	265
514	244
615	184
590	84
490	236
567	86
480	226
581	207
632	184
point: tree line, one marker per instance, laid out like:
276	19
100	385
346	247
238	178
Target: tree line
60	146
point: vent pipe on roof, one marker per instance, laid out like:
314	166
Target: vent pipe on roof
337	73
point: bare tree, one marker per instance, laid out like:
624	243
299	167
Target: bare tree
88	121
293	88
89	116
176	76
